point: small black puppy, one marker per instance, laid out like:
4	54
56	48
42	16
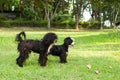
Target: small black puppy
62	50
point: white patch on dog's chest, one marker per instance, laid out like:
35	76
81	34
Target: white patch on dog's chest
66	52
49	48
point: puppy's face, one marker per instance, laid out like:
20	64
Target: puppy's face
73	42
69	41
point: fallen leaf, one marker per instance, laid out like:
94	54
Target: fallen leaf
89	66
97	71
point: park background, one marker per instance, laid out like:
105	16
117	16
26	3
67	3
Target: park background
75	14
96	54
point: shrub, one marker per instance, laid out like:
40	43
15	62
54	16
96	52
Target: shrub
94	26
14	23
84	24
72	23
88	25
63	21
2	17
6	23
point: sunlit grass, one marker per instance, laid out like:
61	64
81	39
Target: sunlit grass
101	49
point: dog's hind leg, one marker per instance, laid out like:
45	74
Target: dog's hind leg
19	61
63	58
22	58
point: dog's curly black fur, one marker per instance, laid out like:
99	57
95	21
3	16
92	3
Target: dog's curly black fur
39	46
62	50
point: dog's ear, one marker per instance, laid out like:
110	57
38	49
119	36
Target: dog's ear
47	41
66	42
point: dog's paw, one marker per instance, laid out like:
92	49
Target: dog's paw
20	65
63	61
43	65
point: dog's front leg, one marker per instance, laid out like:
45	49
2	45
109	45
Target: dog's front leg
43	59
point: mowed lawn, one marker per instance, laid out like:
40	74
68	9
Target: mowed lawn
95	56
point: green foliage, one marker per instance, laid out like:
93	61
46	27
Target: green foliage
19	23
28	10
2	17
28	14
62	17
7	23
72	23
3	21
63	20
65	11
29	23
88	25
94	26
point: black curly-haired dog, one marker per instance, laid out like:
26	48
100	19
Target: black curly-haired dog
42	47
62	50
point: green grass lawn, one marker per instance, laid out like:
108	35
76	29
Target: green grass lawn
100	49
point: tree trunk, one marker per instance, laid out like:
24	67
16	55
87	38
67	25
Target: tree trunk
101	21
49	23
2	10
116	16
52	13
47	15
77	22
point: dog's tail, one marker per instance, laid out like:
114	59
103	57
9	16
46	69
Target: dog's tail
19	36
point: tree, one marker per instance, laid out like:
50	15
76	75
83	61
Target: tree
109	9
7	4
113	11
78	7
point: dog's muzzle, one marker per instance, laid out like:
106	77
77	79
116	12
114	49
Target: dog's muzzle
73	43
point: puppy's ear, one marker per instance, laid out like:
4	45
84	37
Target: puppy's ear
66	42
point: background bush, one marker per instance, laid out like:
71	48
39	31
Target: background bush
18	23
63	21
59	21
